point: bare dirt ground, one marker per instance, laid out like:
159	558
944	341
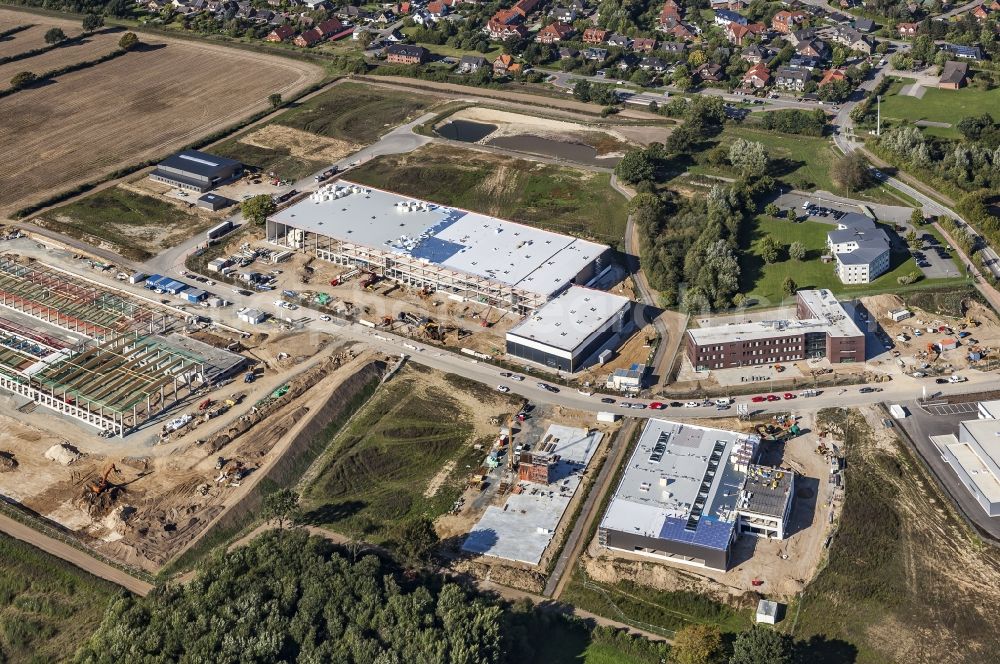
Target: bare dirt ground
166	493
91	47
300	143
25	40
88	123
912	349
784	566
606	139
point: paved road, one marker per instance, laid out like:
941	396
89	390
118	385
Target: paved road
847	142
575	542
960	9
566	81
72	555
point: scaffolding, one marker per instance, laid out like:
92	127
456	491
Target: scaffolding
406	269
73	304
116	385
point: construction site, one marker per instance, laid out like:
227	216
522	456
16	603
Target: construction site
136	425
790	445
97	356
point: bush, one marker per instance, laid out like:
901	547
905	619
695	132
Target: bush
128	41
22	80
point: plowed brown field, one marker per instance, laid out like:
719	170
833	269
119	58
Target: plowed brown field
137	107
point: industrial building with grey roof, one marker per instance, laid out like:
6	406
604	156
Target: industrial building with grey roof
688	492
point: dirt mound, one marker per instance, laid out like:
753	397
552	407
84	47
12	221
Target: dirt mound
99	505
879	306
7	462
63	453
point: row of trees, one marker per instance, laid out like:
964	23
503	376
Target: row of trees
25	79
969	164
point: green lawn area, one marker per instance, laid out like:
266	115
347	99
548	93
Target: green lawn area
802	162
138	225
375	474
941	106
558	198
445	50
47	607
763	282
354	112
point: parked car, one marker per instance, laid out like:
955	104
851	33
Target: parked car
692	404
656	405
607	400
758	399
503	388
773	397
789	395
517	378
638	406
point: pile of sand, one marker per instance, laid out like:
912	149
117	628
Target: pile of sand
63	453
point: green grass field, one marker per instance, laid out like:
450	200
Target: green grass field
375	473
47	606
763	282
135	223
354	112
802	162
657	611
279	160
445	50
558	198
941	106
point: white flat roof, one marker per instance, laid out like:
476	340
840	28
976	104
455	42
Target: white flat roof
529	258
567	320
977	470
830	317
670	471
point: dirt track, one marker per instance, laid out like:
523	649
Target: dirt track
73	555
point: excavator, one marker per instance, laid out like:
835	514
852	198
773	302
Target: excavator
97	488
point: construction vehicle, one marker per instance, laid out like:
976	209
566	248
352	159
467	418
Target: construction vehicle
97	488
232	473
205	404
249	377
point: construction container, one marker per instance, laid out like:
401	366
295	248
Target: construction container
193	295
948	343
900	314
137	278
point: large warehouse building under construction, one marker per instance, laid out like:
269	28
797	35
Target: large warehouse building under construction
473	256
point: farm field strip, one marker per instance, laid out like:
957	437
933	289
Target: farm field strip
90	48
131	109
25	40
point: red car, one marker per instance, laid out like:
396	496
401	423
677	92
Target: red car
773	397
789	395
656	405
758	399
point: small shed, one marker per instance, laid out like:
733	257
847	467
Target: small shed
898	411
767	612
137	278
193	295
217	264
214	202
252	316
948	343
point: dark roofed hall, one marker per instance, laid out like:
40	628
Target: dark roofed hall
197	171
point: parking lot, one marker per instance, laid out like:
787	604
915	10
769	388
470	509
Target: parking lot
951	408
934	260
